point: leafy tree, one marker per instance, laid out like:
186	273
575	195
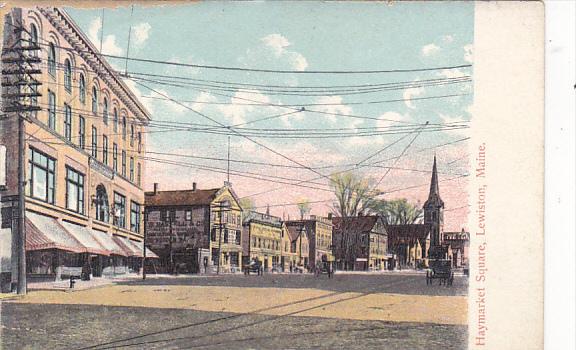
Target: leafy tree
398	211
303	207
247	205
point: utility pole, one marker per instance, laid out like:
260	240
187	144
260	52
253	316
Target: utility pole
222	205
228	171
20	93
171	250
144	257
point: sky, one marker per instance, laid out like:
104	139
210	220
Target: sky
301	37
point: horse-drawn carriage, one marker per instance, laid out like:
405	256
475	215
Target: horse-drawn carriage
440	269
324	267
254	266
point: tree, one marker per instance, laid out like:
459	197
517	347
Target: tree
303	207
398	211
247	205
355	196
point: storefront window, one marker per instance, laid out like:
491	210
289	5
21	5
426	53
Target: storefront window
41	176
74	190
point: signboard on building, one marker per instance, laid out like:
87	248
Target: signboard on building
101	168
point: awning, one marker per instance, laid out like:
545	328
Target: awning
43	232
86	237
127	247
107	242
149	253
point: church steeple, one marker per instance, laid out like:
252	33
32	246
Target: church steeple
433	208
434	195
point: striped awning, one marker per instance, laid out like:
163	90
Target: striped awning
86	237
44	232
149	253
129	249
107	242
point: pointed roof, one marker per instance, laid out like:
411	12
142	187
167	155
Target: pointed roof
434	195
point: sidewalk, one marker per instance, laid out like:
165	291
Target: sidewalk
64	285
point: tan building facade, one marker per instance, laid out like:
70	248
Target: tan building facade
262	240
83	150
298	252
319	232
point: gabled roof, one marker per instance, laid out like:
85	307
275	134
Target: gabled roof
408	232
294	231
359	223
181	197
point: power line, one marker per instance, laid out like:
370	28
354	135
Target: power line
259	70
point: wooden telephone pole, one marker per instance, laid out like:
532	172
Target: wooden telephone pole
20	93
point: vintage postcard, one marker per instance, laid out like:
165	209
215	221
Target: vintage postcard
272	175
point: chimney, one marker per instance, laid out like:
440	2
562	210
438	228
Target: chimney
156	187
193	186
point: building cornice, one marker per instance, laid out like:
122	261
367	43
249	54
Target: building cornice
78	40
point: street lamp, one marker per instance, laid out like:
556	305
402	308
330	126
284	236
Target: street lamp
222	206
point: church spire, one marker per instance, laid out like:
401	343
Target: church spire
434	195
434	190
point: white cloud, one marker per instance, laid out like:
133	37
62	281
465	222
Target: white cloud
391	118
298	61
278	44
141	33
430	49
109	45
451	73
446	119
237	112
408	94
336	107
448	38
468	53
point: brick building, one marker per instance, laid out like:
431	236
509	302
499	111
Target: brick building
189	229
360	243
83	167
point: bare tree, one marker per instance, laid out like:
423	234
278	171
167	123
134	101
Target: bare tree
355	196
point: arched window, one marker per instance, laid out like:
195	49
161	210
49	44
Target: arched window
105	111
131	135
68	75
124	128
34	38
82	88
52	59
94	100
102	207
115	120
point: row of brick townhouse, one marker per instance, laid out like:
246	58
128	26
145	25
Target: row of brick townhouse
82	157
